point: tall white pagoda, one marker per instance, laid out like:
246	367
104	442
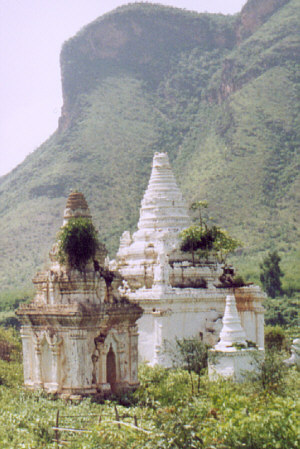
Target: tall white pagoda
180	298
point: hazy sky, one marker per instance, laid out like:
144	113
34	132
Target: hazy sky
31	35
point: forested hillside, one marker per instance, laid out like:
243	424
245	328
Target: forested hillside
218	93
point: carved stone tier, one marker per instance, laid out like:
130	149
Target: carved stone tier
163	207
76	207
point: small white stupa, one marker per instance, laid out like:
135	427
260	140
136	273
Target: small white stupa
233	356
232	332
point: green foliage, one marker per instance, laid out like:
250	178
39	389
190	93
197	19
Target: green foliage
271	274
10	345
282	311
271	371
10	357
192	355
9	320
161	387
194	238
238	281
275	338
189	354
223	415
11	300
77	242
208	239
224	244
165	79
198	206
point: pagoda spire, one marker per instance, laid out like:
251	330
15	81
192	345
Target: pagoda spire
163	207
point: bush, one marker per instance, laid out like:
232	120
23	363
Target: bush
282	311
77	242
10	345
205	239
271	374
10	357
275	338
189	354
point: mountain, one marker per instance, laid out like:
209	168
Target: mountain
218	93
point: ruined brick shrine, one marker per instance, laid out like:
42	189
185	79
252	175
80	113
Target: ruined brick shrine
79	333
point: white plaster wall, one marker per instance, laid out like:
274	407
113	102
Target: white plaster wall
77	369
46	363
248	322
182	321
146	338
28	363
166	320
235	364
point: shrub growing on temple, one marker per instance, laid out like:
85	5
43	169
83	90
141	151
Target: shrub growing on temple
204	240
77	242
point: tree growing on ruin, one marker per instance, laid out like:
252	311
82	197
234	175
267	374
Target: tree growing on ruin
77	242
203	239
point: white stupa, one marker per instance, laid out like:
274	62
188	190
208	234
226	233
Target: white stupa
163	208
232	331
231	357
181	297
163	214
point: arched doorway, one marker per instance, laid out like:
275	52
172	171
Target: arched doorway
111	374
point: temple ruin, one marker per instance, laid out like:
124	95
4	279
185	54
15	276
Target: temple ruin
180	297
79	333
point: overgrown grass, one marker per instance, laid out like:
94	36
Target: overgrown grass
222	415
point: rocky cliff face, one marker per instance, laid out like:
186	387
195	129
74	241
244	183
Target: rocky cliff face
254	14
136	40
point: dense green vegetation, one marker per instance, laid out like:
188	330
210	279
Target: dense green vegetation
219	98
270	275
282	311
77	242
262	413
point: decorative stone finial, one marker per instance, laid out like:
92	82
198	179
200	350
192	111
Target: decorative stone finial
232	331
76	207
